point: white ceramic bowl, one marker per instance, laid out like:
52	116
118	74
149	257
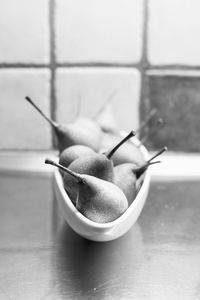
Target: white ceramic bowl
107	231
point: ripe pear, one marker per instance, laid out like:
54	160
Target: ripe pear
129	152
74	133
68	155
128	174
97	199
97	164
94	164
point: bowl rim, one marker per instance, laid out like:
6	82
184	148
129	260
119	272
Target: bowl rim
120	219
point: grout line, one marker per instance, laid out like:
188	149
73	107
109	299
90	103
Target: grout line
23	65
52	64
144	35
170	69
99	64
144	84
173	67
173	72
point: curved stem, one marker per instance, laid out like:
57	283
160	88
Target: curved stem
51	122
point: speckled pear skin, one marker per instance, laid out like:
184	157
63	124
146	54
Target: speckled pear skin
71	187
97	165
74	134
126	175
99	200
71	153
126	180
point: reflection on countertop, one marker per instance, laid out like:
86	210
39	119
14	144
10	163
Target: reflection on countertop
42	258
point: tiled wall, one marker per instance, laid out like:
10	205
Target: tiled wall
60	51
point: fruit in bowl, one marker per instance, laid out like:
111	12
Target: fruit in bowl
102	210
101	188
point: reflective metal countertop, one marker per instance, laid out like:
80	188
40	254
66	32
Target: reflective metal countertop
42	258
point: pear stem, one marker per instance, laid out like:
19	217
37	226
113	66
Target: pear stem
153	112
140	170
158	153
78	178
110	153
51	122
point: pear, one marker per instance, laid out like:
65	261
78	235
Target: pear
129	152
68	155
128	174
126	179
97	164
76	133
97	199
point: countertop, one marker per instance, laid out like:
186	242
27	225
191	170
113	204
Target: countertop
42	258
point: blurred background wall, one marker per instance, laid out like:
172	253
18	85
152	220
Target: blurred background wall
62	52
